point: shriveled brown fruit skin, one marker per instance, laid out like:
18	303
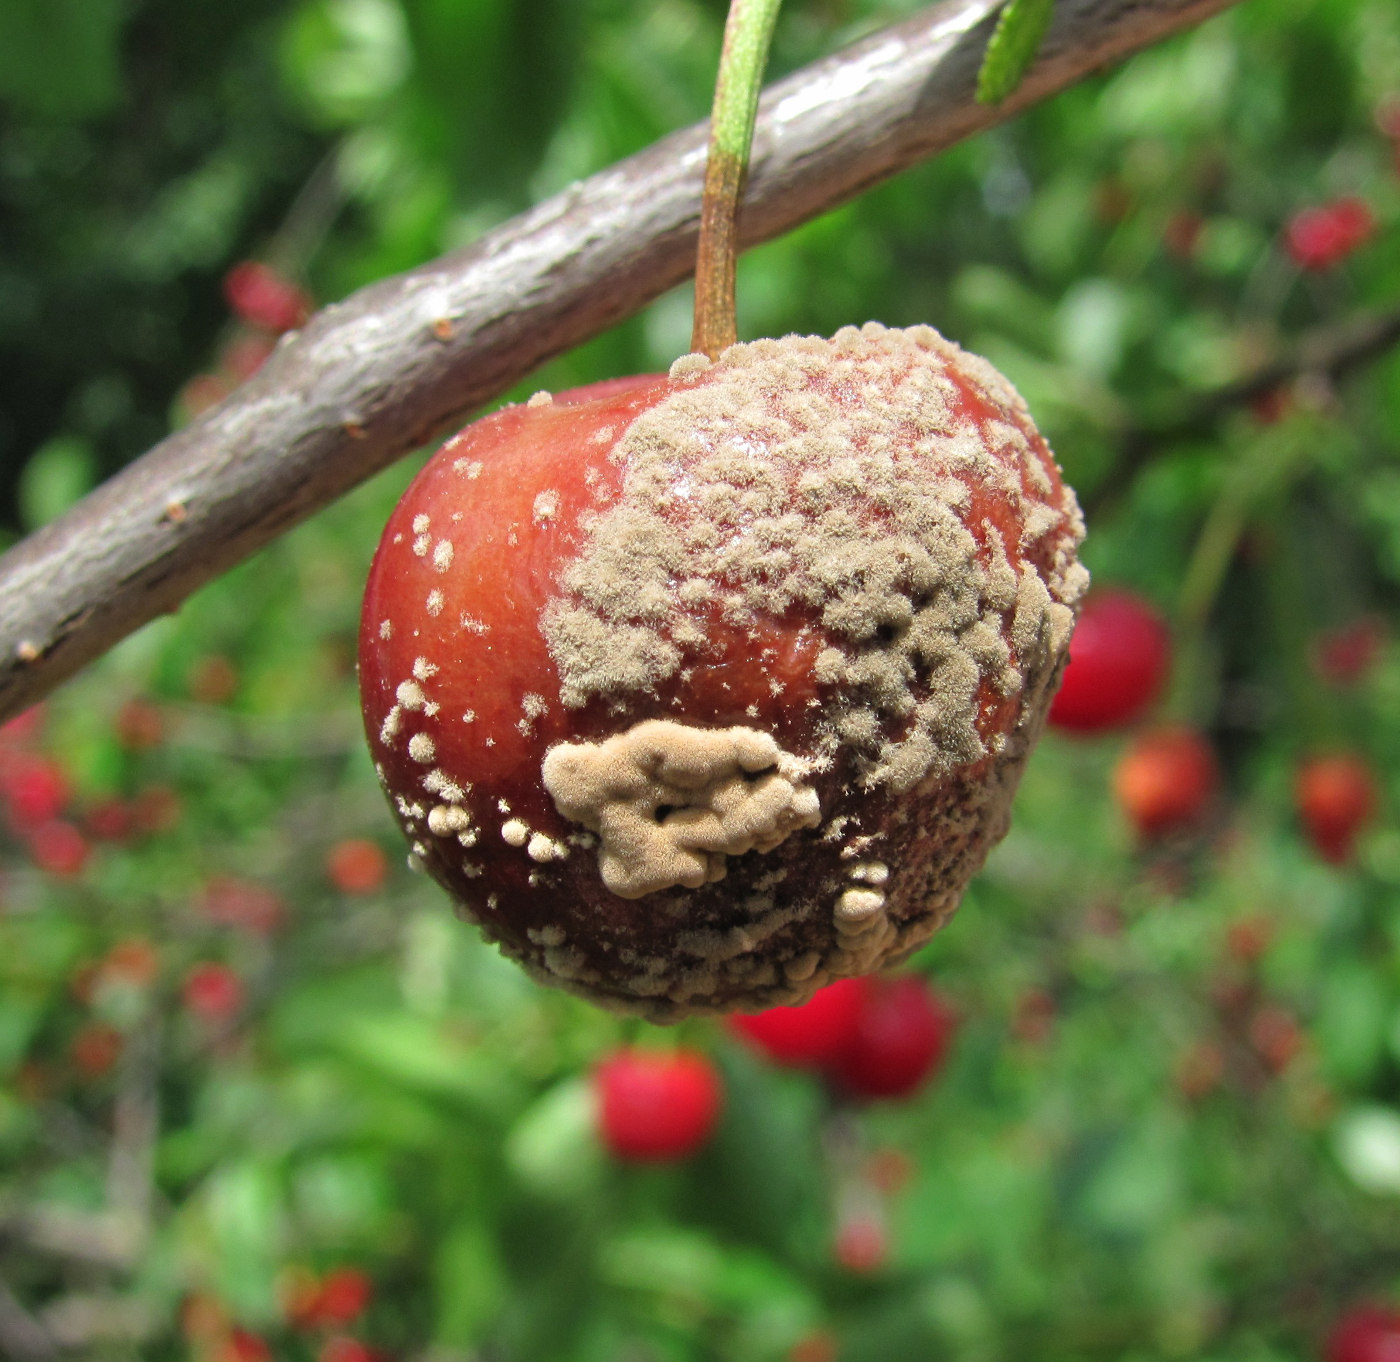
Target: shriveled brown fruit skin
700	690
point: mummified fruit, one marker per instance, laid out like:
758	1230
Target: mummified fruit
701	690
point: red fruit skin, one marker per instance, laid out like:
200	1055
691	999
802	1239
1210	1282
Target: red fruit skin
1336	797
58	847
345	1295
900	1039
260	296
34	788
1366	1333
1318	238
810	1035
656	1107
1165	781
1118	660
212	992
357	866
460	654
862	1245
244	904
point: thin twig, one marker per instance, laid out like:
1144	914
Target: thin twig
1330	352
380	374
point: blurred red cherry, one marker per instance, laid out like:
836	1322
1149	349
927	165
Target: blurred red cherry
201	393
95	1048
1366	1333
34	789
134	962
1318	238
110	820
862	1244
245	354
818	1346
899	1038
1118	659
261	296
234	902
1277	1038
140	725
357	866
58	847
343	1348
1336	797
810	1035
212	992
1344	655
24	728
344	1296
1165	781
243	1346
656	1106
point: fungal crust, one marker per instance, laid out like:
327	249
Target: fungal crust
670	801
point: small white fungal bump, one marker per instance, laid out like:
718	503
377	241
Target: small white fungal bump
421	523
858	905
409	695
386	629
514	832
601	436
689	366
442	785
422	544
671	802
871	872
389	730
469	717
534	705
442	555
434	602
422	748
467	837
431	707
474	626
543	849
423	669
503	805
546	507
541	399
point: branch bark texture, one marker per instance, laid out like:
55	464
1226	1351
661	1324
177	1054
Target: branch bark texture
383	372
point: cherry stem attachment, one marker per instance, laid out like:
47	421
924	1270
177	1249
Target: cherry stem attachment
748	32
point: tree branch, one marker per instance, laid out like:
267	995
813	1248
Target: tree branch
1329	352
380	374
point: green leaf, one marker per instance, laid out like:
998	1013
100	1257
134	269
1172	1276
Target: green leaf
1012	48
61	58
57	474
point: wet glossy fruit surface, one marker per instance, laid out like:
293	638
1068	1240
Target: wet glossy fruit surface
1118	662
656	1106
701	690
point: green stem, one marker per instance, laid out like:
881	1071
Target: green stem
747	34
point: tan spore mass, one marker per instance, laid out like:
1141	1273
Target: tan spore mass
670	802
835	478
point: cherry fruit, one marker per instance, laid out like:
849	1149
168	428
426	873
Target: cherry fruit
1366	1333
1165	781
655	1106
1119	659
700	690
811	1034
898	1041
1336	797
